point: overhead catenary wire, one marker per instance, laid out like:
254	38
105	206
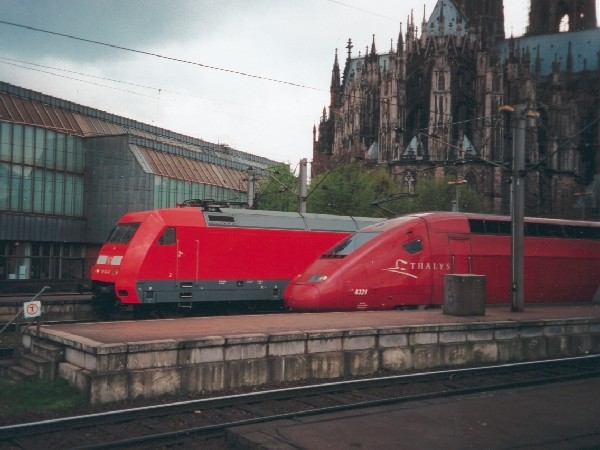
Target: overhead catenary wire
24	65
158	55
178	59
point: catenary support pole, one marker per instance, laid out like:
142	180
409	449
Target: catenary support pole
251	179
518	208
303	183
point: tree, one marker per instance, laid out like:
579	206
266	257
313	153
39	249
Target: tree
345	190
277	190
438	195
354	190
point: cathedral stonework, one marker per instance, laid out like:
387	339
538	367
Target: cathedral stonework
430	107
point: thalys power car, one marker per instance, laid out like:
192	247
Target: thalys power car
195	254
401	263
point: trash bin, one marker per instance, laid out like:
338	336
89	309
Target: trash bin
464	295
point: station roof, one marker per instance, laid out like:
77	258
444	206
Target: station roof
18	110
187	169
23	106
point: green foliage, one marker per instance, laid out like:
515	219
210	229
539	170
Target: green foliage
351	190
37	396
277	191
347	190
439	196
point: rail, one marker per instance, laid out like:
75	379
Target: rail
200	421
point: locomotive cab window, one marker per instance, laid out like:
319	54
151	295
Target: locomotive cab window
350	244
169	237
413	247
122	233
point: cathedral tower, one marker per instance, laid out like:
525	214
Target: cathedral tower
550	16
429	107
485	16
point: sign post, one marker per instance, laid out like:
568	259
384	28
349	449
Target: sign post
31	310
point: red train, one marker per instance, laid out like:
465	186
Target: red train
401	263
209	254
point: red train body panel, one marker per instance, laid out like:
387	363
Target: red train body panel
402	262
192	255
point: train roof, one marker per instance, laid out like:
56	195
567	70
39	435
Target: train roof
464	222
248	218
286	220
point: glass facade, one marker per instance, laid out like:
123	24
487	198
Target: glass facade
169	191
41	171
42	261
42	174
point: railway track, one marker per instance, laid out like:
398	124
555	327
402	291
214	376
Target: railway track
203	423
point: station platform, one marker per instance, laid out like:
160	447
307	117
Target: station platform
553	416
198	327
112	361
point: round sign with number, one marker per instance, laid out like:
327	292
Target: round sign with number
32	309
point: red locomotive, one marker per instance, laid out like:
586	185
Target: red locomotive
211	254
401	263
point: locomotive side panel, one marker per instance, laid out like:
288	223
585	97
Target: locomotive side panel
561	270
401	269
261	253
227	264
208	254
491	257
562	263
451	251
555	269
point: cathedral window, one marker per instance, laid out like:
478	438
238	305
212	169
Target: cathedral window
563	26
441	82
496	83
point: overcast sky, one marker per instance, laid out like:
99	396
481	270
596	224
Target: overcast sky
286	46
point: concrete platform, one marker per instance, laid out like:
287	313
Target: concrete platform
111	361
196	327
553	416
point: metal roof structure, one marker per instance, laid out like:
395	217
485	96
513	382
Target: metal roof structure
29	112
19	105
187	169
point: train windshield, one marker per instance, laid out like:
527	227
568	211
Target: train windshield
350	244
122	233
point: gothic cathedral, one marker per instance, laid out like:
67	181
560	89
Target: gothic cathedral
431	106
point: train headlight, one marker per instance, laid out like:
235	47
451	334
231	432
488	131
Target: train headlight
317	278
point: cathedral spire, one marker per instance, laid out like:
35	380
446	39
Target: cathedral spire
373	50
336	82
538	61
349	47
459	29
424	29
400	45
570	58
410	32
335	73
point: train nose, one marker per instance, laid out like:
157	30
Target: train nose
302	297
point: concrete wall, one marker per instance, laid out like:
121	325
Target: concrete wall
109	373
56	310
